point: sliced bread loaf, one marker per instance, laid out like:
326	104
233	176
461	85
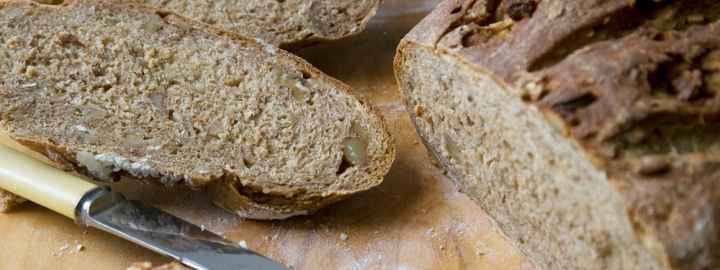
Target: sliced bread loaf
288	23
111	89
587	129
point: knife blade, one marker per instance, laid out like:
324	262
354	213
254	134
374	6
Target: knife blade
165	234
109	211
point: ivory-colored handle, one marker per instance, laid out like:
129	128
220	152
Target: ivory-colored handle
41	183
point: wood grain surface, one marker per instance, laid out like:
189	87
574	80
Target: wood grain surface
415	220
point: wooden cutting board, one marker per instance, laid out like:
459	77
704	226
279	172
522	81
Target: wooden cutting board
415	220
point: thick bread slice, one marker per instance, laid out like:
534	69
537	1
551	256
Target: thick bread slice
587	129
288	23
115	89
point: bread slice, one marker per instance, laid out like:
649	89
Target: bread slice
287	23
111	89
587	129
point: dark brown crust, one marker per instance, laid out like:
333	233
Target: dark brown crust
248	203
601	76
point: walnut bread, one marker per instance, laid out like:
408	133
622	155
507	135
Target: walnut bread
287	23
112	89
587	129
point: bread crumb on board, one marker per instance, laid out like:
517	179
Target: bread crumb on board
243	244
149	266
62	250
140	266
67	248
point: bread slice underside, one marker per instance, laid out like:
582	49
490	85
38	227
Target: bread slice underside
289	23
112	89
587	129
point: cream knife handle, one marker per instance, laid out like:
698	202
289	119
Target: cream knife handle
41	183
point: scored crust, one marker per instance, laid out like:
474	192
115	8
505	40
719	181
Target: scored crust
265	194
633	85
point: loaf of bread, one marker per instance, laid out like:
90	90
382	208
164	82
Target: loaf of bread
288	23
587	128
114	88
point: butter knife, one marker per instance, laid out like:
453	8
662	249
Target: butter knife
99	207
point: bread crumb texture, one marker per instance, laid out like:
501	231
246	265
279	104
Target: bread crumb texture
117	89
279	22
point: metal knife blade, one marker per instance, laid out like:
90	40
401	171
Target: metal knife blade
166	234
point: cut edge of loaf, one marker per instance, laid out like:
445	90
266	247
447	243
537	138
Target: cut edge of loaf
244	204
463	113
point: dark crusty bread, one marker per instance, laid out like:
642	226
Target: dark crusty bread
288	23
587	129
111	89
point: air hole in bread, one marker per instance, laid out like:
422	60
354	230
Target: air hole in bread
456	10
162	14
519	9
469	121
344	166
658	36
682	78
568	107
248	162
69	40
306	75
98	72
104	88
210	21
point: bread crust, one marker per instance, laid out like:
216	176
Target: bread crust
245	204
622	79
